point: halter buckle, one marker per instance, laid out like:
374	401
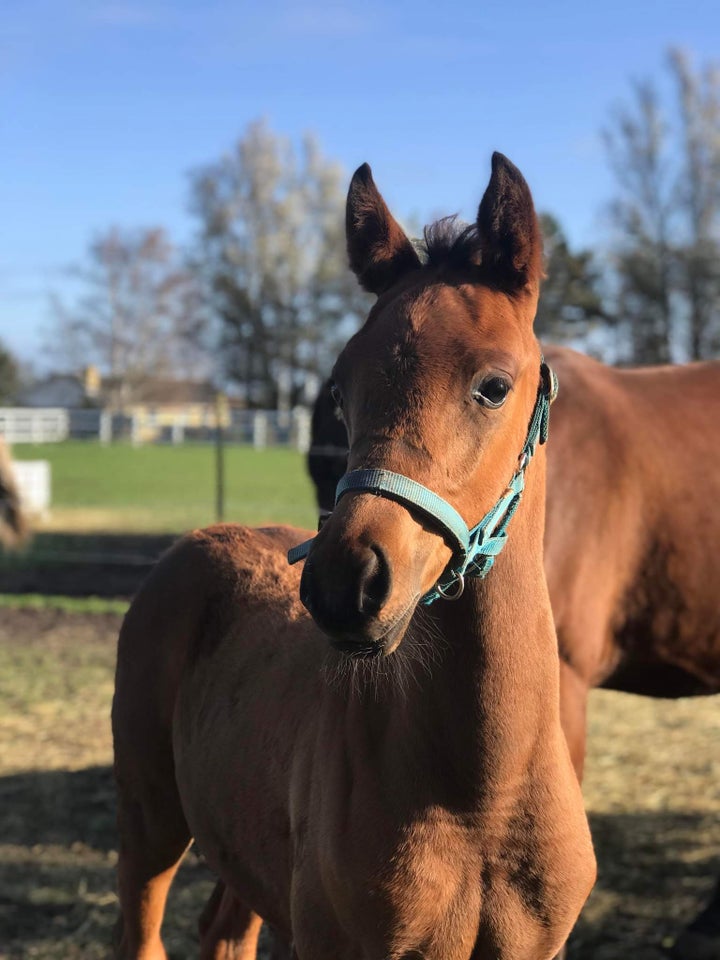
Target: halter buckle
459	589
549	381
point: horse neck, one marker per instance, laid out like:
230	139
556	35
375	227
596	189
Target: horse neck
487	697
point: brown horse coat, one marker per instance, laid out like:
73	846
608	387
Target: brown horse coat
413	794
631	545
632	528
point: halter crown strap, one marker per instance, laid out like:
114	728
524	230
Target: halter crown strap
474	551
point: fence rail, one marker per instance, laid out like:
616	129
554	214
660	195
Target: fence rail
27	425
261	428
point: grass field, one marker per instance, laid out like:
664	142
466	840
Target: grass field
169	488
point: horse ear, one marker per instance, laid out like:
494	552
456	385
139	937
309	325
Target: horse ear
378	249
508	229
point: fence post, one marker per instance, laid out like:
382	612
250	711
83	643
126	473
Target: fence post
260	430
105	431
301	416
219	458
33	479
177	432
135	430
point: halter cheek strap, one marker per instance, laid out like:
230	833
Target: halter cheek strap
475	550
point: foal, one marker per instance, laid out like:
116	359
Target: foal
386	779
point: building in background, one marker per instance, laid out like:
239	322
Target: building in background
154	407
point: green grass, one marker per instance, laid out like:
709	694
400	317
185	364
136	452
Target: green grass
170	489
41	601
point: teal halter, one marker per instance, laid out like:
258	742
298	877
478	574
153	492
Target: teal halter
474	551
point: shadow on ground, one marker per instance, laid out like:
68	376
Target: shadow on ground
79	564
57	869
57	863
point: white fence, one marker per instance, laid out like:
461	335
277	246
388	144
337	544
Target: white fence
261	428
26	425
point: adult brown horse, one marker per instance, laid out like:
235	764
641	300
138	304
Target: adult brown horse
405	789
630	540
13	522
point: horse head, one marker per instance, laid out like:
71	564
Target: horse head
437	387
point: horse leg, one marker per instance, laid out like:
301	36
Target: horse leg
701	939
154	641
573	717
229	930
153	839
153	832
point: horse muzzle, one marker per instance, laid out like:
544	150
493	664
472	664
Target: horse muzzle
345	593
348	596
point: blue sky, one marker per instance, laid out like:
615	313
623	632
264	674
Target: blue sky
106	107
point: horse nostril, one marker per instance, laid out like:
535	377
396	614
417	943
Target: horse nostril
343	594
375	582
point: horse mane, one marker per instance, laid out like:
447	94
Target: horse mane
451	242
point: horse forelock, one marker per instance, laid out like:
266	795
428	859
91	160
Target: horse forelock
452	241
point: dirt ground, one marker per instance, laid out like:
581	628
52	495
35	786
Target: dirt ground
652	788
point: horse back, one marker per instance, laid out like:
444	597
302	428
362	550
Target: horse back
184	610
633	571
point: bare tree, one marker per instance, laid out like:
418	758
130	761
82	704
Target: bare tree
637	147
136	315
699	196
666	161
271	251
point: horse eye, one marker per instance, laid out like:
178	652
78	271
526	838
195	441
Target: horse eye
492	392
336	395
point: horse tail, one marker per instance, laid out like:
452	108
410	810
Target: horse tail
13	521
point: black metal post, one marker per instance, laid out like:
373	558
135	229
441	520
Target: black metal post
219	460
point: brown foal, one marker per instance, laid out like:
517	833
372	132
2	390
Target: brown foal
383	779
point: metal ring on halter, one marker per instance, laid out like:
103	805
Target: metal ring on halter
458	592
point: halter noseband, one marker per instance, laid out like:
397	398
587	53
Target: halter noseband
475	550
